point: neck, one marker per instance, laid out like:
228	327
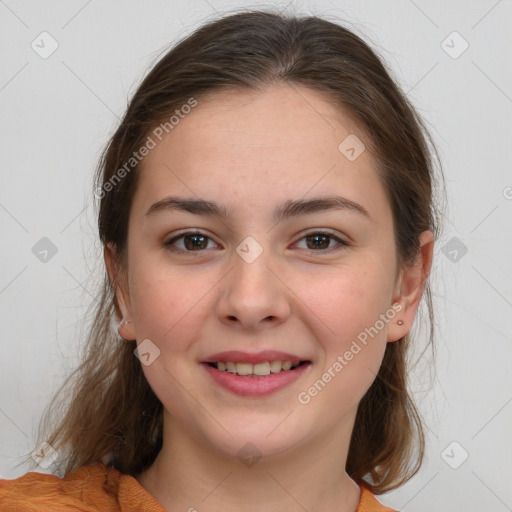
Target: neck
188	474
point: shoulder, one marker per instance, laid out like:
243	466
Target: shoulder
368	503
97	488
89	488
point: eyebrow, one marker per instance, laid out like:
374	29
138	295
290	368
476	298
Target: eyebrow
282	212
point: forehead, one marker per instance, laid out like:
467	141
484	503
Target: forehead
253	147
258	123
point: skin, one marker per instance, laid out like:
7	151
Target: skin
252	152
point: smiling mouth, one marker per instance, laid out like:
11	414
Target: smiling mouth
257	370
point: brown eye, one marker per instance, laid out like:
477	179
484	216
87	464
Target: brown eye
188	242
320	241
193	242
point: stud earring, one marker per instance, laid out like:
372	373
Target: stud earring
400	322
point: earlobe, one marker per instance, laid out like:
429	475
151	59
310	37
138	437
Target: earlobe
397	327
123	307
410	286
124	330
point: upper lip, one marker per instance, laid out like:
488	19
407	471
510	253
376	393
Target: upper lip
237	356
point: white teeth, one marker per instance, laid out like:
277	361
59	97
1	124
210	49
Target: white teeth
243	368
259	369
286	365
275	366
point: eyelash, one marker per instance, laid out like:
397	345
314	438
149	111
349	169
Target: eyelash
169	244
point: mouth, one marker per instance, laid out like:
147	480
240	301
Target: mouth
257	374
257	370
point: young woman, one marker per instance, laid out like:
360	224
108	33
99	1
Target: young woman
268	223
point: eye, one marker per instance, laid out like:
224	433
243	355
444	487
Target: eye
320	241
192	241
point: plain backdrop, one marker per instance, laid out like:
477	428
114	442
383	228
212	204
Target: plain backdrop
58	110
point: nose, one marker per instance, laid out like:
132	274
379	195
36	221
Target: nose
253	297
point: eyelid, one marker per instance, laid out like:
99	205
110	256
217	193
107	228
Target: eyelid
187	232
324	231
313	231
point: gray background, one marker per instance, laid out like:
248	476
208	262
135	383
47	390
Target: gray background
57	113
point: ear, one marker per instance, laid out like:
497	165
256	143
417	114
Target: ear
409	288
123	305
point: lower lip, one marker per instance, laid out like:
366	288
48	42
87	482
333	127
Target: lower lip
255	386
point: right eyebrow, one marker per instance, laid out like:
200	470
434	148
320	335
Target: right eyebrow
195	206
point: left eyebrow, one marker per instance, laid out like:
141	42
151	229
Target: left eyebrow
282	212
309	206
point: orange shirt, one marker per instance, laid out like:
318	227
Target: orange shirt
97	488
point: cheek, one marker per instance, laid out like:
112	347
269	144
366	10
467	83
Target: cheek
355	307
170	305
349	300
169	308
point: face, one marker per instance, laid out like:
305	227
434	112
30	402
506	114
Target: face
308	283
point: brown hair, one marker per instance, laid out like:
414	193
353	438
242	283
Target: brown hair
113	414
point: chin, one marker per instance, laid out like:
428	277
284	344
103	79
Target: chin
254	435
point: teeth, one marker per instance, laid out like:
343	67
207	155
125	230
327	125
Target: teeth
243	368
275	366
259	369
286	365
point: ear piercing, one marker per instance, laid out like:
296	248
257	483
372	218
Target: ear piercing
400	322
